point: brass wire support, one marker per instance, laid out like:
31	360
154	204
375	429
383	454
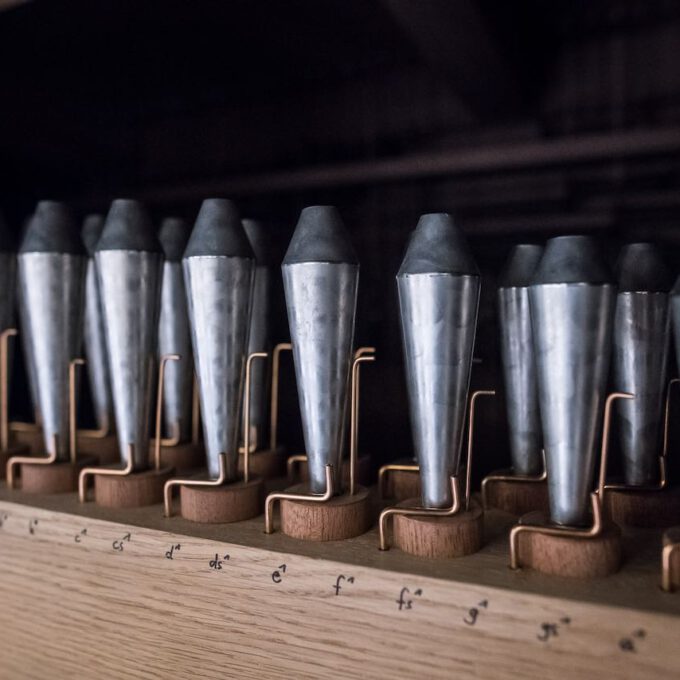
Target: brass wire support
393	467
104	472
218	481
663	458
596	497
158	442
30	460
222	475
274	399
362	355
72	408
509	477
667	552
4	386
195	412
283	496
456	504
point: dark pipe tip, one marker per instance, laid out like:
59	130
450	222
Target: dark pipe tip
520	266
174	235
641	268
7	240
52	229
218	231
438	246
320	236
572	259
260	240
128	227
91	232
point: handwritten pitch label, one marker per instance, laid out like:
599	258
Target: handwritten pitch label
277	574
405	602
118	544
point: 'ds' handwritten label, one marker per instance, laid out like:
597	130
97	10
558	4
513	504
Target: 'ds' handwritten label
218	561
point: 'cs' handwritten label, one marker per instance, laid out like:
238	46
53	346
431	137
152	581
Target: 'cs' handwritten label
118	544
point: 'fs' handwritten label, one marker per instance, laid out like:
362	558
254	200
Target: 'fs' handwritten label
550	630
337	587
217	562
277	574
473	613
118	544
406	602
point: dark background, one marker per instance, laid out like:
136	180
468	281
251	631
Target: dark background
525	119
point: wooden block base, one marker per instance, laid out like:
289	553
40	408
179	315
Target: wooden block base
517	496
104	449
363	472
59	477
401	485
672	536
339	518
439	537
17	450
644	509
232	502
268	463
31	438
131	491
183	457
570	556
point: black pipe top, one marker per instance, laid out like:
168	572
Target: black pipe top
520	266
7	240
320	236
641	268
128	227
260	240
92	231
572	259
174	235
218	232
438	246
52	229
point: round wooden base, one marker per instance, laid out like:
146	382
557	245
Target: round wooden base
673	536
363	472
131	491
570	555
268	463
183	457
517	496
31	438
439	537
59	477
16	450
401	485
339	518
104	449
232	502
644	509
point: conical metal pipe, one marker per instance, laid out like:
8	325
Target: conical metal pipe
219	269
640	360
518	359
93	330
572	298
321	279
439	286
174	336
258	339
51	273
129	265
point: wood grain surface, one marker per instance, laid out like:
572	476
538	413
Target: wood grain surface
90	592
